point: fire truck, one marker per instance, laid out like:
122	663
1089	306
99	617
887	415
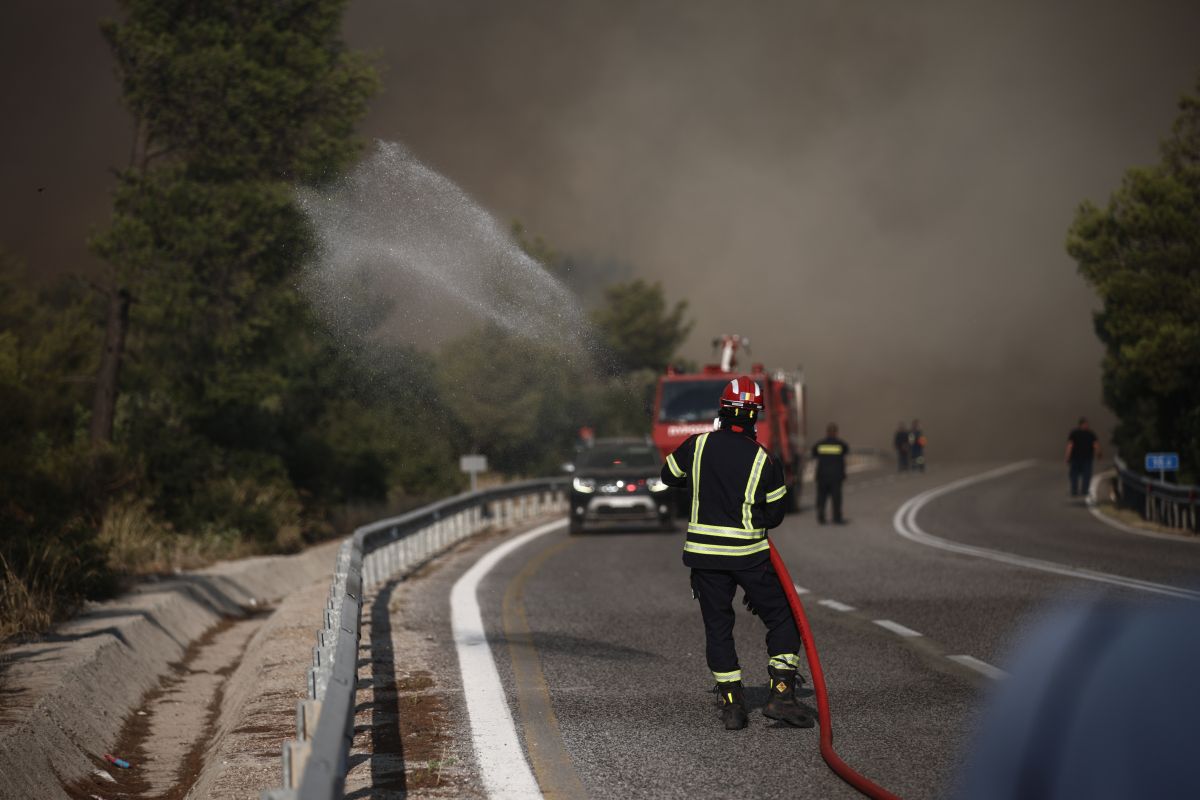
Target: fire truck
686	403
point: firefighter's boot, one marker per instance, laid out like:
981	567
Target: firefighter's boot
782	704
733	705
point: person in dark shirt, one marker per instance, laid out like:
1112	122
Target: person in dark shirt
1083	447
900	442
830	454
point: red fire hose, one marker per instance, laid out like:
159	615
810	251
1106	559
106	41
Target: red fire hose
843	770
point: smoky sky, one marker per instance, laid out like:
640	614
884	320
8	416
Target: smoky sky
879	192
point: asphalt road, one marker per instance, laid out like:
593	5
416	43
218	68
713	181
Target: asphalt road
600	647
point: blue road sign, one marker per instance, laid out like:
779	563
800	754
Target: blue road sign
1162	462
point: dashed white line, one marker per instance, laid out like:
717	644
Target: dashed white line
835	605
897	628
982	667
502	763
800	589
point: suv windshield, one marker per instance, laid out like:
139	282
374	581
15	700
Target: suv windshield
624	455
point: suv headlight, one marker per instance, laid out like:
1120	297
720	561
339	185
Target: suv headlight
656	485
585	485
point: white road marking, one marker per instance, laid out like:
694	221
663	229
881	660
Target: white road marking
835	605
502	763
1121	526
896	628
905	523
800	589
982	667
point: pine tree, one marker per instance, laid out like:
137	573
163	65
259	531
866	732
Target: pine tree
235	103
1141	253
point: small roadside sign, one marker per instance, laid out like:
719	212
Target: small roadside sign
1162	462
473	464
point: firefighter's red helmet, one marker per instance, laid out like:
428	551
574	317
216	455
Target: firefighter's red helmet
742	393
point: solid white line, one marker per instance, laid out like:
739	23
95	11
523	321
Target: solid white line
502	763
1121	526
905	523
982	667
800	589
897	628
835	605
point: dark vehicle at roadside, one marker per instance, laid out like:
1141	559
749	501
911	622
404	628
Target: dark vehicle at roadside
617	484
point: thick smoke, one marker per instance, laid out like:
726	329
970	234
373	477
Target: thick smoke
879	192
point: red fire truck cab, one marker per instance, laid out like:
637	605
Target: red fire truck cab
686	403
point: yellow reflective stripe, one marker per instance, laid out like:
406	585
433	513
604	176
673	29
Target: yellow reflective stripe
752	487
726	550
785	660
726	677
829	449
674	467
700	440
777	494
733	533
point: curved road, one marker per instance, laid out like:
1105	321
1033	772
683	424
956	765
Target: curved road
599	646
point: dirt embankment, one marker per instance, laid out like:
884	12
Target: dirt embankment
157	677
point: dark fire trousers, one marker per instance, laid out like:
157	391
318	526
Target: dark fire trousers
829	490
715	589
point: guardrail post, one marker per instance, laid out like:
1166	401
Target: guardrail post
307	713
295	759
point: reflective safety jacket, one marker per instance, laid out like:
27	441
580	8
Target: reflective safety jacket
830	454
737	494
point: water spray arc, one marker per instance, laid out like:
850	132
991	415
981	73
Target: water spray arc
396	235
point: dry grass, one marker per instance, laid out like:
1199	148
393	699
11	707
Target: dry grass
47	588
138	544
29	605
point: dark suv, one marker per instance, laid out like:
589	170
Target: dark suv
617	484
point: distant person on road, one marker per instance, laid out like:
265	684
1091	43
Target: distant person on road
1083	447
738	492
900	442
830	454
916	446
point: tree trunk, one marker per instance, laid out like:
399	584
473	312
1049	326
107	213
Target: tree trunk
104	404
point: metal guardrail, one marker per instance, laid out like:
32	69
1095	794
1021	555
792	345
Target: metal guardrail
315	763
1169	504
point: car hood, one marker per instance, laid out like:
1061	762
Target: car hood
617	473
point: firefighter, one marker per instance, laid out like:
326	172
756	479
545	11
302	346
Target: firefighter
830	454
738	492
